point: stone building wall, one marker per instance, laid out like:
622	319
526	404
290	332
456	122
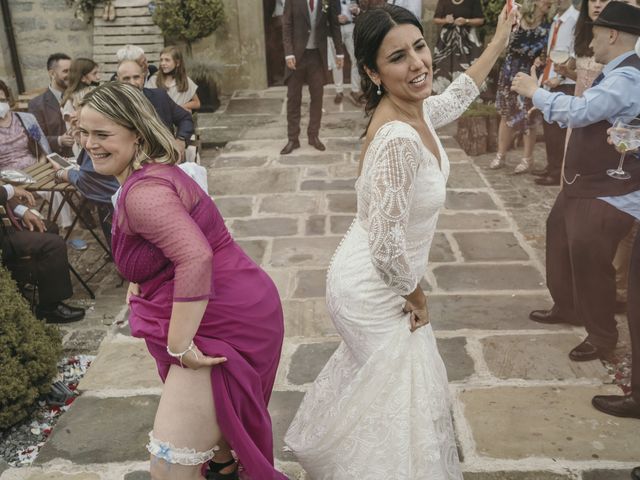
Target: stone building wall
239	45
43	27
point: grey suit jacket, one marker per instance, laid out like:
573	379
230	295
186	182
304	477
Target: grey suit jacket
46	109
296	28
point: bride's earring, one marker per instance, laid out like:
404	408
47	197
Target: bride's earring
379	91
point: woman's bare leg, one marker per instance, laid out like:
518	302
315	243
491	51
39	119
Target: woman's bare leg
505	137
529	143
186	418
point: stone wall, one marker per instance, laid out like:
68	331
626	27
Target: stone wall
239	45
43	27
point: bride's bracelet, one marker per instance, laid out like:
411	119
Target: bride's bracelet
190	348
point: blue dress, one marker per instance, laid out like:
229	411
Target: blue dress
525	45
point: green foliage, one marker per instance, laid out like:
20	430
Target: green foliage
491	9
29	352
479	109
83	9
189	20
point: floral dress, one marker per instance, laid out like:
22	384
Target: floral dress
525	45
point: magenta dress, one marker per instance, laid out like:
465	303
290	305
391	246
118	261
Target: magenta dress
169	237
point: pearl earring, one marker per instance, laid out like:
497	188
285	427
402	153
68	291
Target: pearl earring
379	91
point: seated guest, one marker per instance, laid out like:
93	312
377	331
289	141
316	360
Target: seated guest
50	267
95	187
83	74
22	142
99	188
135	53
173	78
177	119
46	107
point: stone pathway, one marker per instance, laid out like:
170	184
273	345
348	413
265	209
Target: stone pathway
521	408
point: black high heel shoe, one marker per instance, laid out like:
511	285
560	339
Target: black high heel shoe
215	467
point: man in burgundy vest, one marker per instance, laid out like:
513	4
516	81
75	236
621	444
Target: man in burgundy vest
306	24
589	217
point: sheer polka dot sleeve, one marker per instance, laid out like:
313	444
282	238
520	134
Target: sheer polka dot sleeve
156	212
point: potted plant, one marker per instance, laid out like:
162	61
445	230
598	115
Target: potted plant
206	75
478	129
188	20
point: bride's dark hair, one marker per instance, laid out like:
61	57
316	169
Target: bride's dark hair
369	32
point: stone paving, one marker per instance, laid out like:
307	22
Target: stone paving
521	407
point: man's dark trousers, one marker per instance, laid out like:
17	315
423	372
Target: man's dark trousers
310	71
588	229
51	265
554	138
633	316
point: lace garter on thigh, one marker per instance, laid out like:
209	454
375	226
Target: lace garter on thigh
171	454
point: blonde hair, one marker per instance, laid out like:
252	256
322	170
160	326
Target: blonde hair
127	106
77	97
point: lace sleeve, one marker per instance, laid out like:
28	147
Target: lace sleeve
155	211
392	187
450	104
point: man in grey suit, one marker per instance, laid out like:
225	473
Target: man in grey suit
46	107
306	24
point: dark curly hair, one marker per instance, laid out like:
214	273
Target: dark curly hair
370	30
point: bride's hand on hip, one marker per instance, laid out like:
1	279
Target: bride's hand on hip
419	316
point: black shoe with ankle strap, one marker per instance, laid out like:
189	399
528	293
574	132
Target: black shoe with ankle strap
215	467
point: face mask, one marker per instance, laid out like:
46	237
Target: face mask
4	109
638	47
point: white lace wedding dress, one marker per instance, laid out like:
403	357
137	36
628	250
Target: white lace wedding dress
380	408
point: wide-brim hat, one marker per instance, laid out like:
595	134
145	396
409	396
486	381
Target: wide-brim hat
619	16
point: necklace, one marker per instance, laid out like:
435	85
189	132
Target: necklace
457	2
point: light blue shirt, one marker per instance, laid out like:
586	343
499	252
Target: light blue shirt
617	96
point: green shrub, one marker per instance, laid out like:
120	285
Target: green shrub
29	352
478	109
188	20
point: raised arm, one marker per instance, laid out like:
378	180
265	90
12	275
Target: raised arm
483	65
395	168
450	104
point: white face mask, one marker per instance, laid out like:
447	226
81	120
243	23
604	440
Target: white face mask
4	109
638	47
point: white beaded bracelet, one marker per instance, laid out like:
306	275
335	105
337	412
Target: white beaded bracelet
179	356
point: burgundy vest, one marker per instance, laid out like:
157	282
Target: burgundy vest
590	156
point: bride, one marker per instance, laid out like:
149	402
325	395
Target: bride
380	408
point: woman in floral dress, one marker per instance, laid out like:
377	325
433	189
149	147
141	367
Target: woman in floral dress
527	43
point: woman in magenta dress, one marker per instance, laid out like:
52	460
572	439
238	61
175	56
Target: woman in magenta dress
210	316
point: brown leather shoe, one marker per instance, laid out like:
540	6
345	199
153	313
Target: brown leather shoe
587	351
617	405
290	147
317	144
338	98
549	180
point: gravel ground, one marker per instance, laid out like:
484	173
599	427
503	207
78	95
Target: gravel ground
20	444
